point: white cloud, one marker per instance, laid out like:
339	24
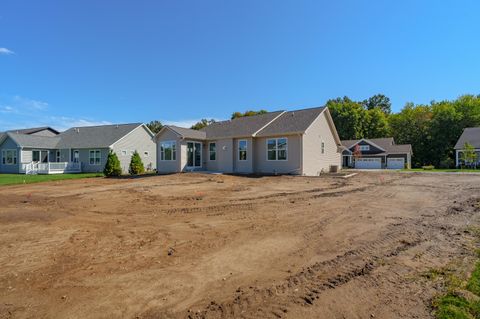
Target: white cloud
29	103
6	51
63	123
7	109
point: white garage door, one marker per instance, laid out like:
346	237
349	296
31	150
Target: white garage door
395	163
368	163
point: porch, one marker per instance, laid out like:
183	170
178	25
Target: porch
51	167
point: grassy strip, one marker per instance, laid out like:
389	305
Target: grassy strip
450	170
11	179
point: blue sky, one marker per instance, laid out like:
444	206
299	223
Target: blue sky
70	63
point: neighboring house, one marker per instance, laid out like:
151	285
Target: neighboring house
470	135
302	142
376	153
79	149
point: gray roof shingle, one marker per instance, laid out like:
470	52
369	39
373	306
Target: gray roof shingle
239	127
34	130
187	132
25	140
292	122
94	136
470	135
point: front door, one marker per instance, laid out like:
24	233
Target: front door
76	156
194	154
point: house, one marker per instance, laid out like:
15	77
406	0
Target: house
301	142
376	153
470	135
80	149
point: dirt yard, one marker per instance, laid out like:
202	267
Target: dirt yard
212	246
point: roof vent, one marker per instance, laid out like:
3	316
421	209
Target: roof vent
78	130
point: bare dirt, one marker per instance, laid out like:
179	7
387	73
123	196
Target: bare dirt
212	246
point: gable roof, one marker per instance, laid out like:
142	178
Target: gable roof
387	144
240	127
187	132
292	122
470	135
34	141
35	130
95	136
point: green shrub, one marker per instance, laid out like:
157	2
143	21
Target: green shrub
428	167
112	167
136	165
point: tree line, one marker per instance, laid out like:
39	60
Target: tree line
432	129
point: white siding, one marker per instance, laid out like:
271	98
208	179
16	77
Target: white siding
137	140
314	162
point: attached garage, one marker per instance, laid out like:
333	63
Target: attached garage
395	163
368	163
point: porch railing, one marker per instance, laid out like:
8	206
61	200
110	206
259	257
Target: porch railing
51	167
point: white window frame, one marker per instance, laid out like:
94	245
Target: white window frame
173	145
364	147
210	152
5	157
276	149
94	158
322	146
246	150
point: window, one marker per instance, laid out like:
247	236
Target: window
242	150
124	153
364	147
95	157
57	156
212	150
9	157
323	147
277	149
168	151
36	156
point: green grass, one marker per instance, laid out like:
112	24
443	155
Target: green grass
11	179
450	170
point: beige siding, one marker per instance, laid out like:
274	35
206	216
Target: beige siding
245	167
137	140
168	166
292	165
314	162
26	156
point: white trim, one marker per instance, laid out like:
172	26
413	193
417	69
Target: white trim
174	143
210	152
369	142
14	156
201	154
276	117
246	150
276	149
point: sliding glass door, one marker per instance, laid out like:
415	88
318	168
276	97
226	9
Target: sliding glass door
194	154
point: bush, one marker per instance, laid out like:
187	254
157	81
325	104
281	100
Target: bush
112	167
428	167
136	165
447	163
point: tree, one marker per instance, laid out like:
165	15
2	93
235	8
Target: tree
202	123
155	126
376	124
136	165
348	116
247	113
378	101
112	167
468	155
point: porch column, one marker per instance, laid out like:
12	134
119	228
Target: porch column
456	158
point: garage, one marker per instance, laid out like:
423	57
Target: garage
395	163
368	163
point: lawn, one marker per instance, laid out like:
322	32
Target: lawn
447	170
10	179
